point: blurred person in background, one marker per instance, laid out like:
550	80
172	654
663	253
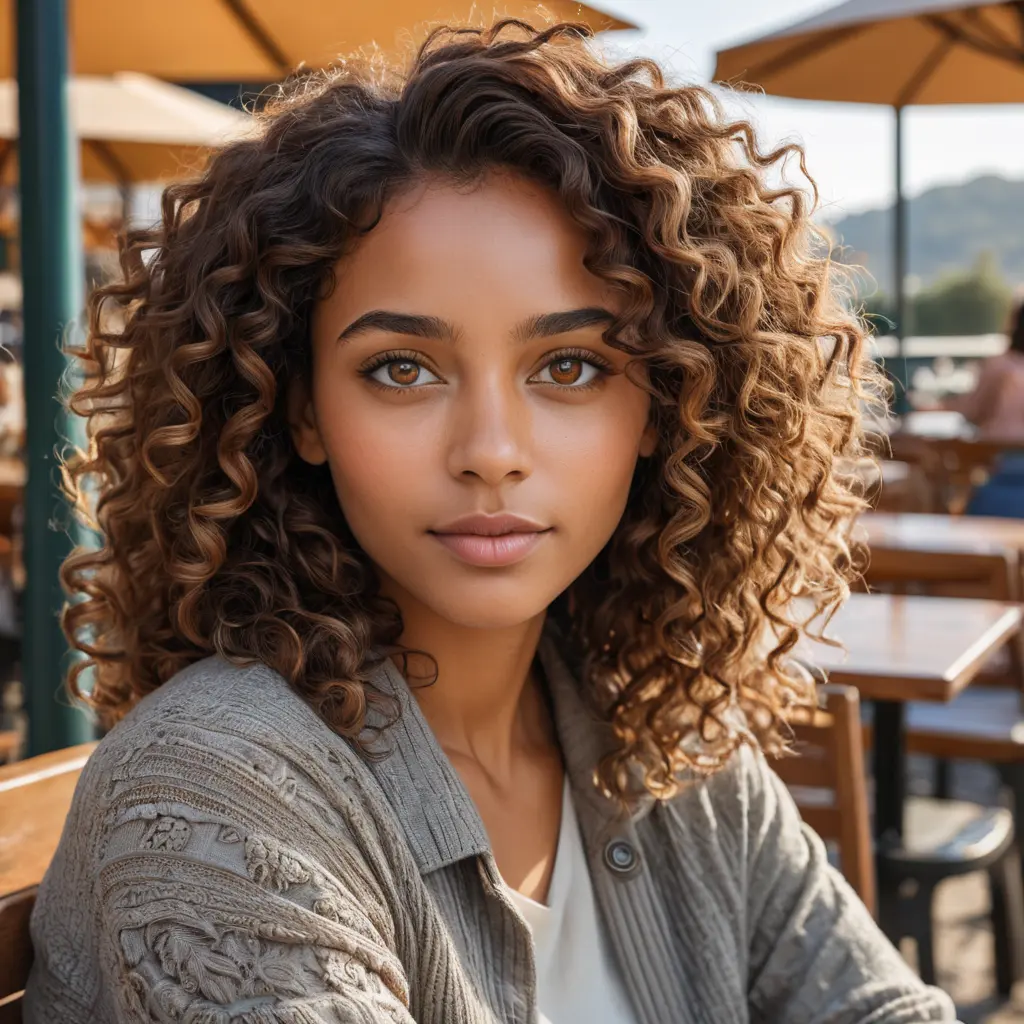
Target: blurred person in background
468	428
996	404
996	408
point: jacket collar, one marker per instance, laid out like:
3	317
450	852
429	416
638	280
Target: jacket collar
437	815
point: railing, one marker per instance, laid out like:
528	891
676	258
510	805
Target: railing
970	346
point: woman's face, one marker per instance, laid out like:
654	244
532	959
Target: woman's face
480	435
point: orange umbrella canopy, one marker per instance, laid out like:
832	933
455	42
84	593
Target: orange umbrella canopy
896	52
263	40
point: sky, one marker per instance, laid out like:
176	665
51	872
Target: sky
849	146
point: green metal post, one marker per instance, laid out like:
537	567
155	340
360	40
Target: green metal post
53	282
899	372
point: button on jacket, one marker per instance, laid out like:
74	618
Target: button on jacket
229	860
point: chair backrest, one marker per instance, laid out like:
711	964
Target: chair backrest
893	486
10	499
35	795
828	785
993	575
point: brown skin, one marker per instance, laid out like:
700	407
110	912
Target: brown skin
483	421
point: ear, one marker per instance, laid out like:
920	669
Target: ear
302	422
648	441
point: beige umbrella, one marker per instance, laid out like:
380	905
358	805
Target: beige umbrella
261	40
897	52
134	128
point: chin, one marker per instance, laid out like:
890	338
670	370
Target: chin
487	615
492	605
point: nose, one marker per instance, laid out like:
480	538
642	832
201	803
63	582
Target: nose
490	431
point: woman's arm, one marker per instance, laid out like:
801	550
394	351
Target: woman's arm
212	921
816	955
228	885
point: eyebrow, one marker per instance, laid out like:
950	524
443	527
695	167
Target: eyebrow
416	325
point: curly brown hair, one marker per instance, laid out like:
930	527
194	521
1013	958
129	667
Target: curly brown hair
217	538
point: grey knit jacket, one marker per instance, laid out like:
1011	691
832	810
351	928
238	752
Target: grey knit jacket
228	859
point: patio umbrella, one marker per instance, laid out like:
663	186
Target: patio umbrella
897	52
262	40
131	128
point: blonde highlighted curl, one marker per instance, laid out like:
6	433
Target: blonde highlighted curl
217	538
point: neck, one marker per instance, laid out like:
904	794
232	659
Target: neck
486	703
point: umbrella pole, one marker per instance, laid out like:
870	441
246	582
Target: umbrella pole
899	372
52	275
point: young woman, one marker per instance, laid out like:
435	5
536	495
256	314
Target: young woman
467	433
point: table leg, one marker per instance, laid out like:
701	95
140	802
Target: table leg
890	793
890	773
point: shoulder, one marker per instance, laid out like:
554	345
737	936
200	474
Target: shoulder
230	851
233	747
228	711
225	781
237	698
1005	361
737	790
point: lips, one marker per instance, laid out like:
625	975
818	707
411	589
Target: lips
491	540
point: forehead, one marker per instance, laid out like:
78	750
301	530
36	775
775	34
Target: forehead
503	242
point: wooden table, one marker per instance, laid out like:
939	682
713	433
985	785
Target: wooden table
907	648
34	799
914	531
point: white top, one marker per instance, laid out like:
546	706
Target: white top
577	978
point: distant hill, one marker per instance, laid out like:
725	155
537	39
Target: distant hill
949	227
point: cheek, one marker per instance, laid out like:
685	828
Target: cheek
593	457
378	462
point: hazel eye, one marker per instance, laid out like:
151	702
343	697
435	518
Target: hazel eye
402	374
570	372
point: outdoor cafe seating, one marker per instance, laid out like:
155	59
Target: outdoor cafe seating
986	722
827	780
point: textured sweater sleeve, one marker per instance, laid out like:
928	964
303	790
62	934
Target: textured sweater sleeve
816	955
229	891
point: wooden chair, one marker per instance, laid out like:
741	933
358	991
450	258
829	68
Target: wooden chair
901	487
989	574
10	743
827	783
11	497
985	723
35	795
953	465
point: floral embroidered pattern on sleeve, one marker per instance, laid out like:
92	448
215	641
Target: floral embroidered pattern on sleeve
209	920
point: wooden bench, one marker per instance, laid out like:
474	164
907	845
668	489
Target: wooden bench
35	795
